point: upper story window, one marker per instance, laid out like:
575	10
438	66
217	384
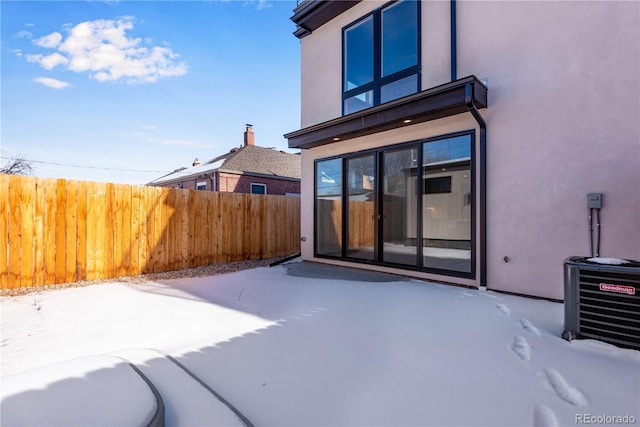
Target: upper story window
381	56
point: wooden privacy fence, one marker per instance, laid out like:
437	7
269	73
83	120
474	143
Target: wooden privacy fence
59	231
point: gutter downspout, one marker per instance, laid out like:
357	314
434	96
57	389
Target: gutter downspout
454	43
468	99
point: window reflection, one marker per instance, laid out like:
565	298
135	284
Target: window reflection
329	207
361	207
446	204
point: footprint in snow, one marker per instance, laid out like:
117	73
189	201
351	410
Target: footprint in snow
521	348
563	390
528	326
543	416
504	309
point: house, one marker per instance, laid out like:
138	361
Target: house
245	169
457	141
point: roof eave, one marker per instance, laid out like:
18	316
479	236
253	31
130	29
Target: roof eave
310	15
442	101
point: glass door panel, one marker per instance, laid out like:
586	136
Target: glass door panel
399	225
446	204
361	190
329	207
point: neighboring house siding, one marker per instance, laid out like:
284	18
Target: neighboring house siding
234	183
242	184
562	121
191	183
237	169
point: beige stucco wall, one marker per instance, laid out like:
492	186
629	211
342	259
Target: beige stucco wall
563	120
321	57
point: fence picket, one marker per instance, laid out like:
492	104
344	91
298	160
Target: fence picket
126	230
50	231
101	232
81	247
4	232
118	249
26	236
15	232
72	231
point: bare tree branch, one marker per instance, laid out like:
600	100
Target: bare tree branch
17	166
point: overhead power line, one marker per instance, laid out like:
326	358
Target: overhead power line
85	166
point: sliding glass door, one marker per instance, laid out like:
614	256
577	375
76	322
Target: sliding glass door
409	206
446	204
361	223
328	208
398	200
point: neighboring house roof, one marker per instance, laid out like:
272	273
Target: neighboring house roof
246	160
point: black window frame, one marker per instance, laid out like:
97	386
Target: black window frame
378	80
377	152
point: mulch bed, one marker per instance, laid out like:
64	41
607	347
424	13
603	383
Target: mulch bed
207	270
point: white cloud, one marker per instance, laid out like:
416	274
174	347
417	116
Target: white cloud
23	35
103	49
51	61
263	4
50	41
260	4
30	57
52	83
17	52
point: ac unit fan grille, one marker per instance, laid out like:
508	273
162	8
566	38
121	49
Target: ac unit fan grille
609	316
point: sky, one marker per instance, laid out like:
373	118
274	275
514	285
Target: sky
127	91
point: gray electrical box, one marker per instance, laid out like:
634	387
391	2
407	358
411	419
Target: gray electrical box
594	200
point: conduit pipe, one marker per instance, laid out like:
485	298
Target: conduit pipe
454	42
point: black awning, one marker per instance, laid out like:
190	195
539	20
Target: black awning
441	101
309	15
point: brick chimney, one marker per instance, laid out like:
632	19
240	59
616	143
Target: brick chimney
248	135
196	162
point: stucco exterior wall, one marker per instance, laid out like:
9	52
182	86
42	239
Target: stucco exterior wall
321	58
563	120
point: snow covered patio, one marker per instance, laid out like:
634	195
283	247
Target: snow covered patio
287	349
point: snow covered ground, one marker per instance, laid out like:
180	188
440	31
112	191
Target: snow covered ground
288	350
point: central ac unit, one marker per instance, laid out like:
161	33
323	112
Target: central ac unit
602	301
